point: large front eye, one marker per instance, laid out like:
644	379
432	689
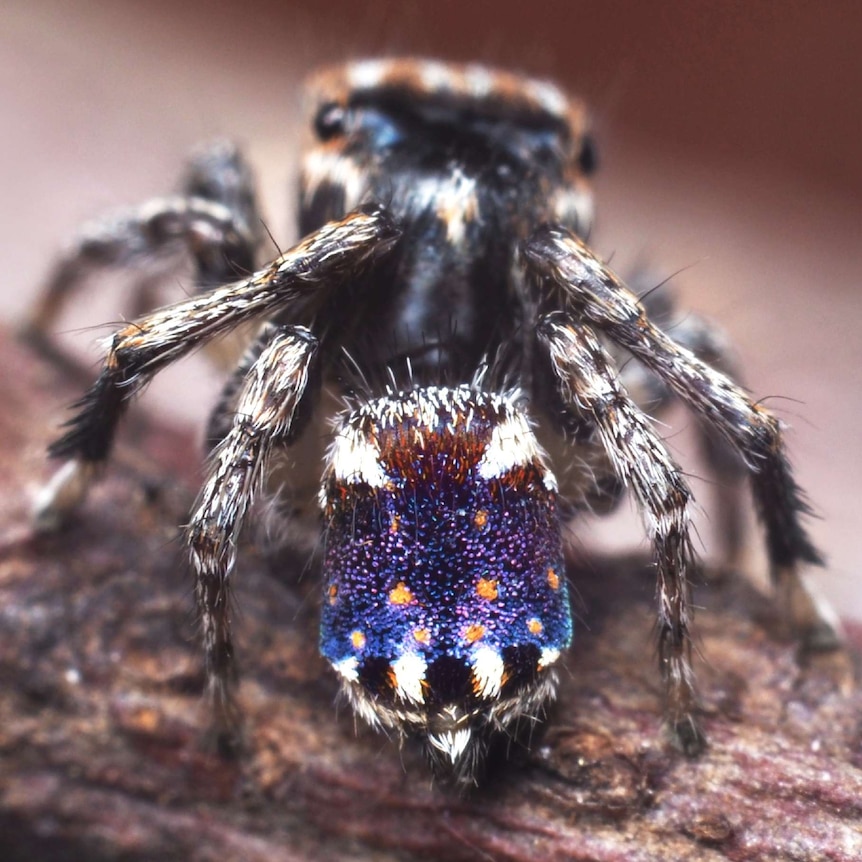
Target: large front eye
330	121
381	129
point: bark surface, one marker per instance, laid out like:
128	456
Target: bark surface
101	722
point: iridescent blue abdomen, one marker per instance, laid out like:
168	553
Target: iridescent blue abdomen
445	594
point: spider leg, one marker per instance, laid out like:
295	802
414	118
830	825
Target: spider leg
266	409
214	219
222	416
296	281
652	395
598	297
709	344
589	383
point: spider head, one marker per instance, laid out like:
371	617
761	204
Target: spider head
445	604
445	140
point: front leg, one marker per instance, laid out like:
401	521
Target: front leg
264	417
598	296
293	283
589	385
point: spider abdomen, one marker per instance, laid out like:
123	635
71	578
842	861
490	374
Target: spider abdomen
445	600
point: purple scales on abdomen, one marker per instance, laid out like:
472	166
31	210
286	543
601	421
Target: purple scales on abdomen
444	579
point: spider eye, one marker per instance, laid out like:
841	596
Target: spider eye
330	121
588	157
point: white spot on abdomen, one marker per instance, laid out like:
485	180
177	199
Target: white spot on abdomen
409	673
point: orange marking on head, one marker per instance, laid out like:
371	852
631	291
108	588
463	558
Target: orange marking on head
553	579
535	626
394	524
480	519
333	594
487	589
357	638
474	633
422	636
400	594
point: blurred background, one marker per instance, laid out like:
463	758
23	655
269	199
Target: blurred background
729	133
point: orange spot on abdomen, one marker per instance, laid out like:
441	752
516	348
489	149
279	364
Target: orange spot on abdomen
487	589
400	594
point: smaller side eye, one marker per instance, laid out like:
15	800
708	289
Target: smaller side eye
588	157
330	121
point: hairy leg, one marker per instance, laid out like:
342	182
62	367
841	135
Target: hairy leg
266	408
726	468
598	297
297	281
589	383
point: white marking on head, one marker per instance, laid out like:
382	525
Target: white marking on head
575	208
548	96
457	205
409	673
451	742
452	199
326	165
488	668
367	74
354	457
480	81
435	76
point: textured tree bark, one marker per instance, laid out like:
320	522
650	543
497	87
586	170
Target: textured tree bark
101	722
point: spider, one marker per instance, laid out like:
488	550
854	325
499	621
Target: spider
444	292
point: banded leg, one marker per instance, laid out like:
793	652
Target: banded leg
214	218
297	280
709	344
222	415
598	296
265	417
588	383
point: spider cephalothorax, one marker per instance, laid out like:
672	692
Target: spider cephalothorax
444	210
